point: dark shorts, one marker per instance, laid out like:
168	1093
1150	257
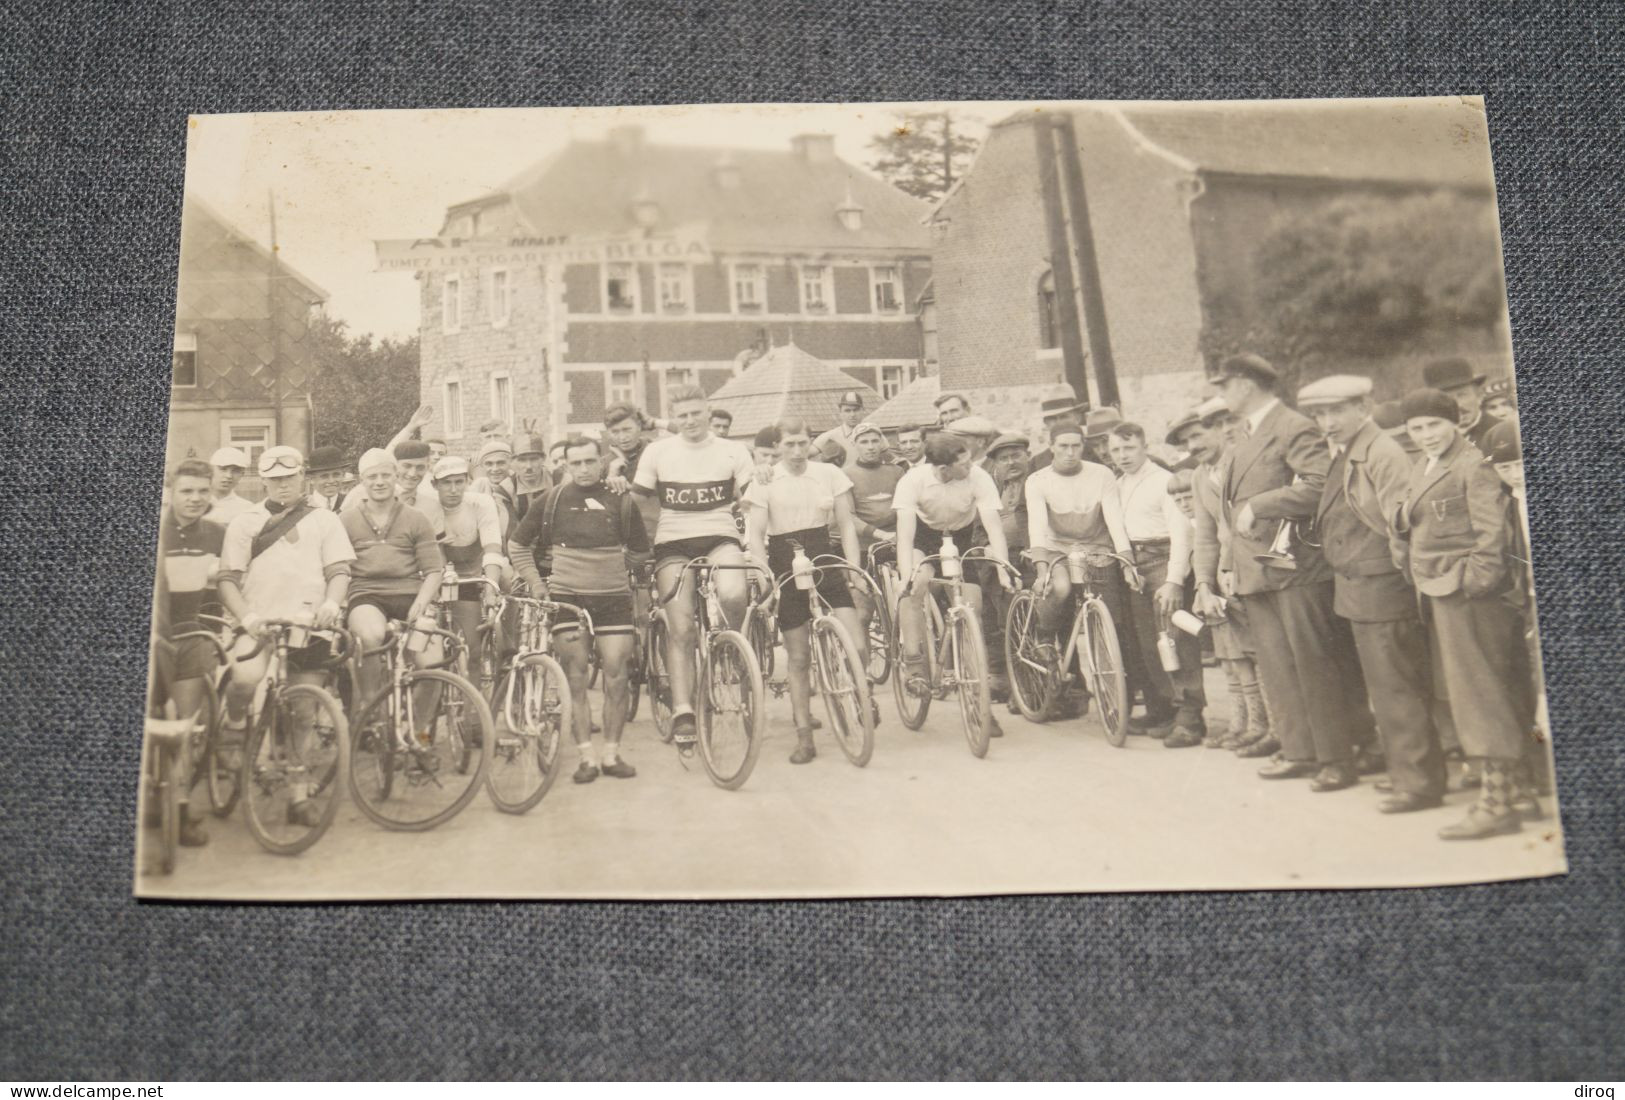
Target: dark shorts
928	540
701	546
310	658
611	613
194	658
394	608
795	606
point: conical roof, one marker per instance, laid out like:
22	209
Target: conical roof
788	381
911	407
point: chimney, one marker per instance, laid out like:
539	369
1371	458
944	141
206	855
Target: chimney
727	173
627	140
814	148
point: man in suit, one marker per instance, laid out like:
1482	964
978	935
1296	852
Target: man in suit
1366	482
326	478
1276	476
1450	536
1456	378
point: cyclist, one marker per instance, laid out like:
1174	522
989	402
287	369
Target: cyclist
942	497
395	573
412	484
229	465
283	559
874	487
189	561
1072	504
686	485
469	528
587	529
799	505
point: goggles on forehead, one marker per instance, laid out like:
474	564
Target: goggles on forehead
281	466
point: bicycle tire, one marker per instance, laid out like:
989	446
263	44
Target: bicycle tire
222	779
265	780
634	685
1034	690
975	698
760	633
1108	680
163	786
732	680
537	737
845	690
912	709
411	770
658	681
880	630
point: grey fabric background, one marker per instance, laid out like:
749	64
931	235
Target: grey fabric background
1496	981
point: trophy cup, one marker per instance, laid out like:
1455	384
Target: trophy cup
1279	555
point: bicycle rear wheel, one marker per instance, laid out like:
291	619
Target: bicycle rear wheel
634	678
415	786
159	773
880	632
290	768
1107	679
532	714
975	702
845	690
733	712
760	631
222	756
657	680
1030	659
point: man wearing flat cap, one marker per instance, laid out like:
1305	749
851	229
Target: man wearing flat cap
844	435
1365	485
1458	381
1275	478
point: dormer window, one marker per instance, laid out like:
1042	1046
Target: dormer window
849	212
645	211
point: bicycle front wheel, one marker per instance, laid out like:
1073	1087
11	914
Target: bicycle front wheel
1107	679
222	755
733	711
404	772
657	680
1030	658
880	640
845	690
290	768
532	714
912	708
975	702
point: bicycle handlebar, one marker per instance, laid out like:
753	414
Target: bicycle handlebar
697	564
583	617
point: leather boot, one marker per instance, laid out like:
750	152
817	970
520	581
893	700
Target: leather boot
805	750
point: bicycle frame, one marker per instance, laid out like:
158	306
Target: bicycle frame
1082	593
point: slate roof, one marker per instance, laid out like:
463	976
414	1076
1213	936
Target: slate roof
912	405
1440	141
782	202
787	381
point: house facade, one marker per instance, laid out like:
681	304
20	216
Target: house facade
1115	247
638	267
243	356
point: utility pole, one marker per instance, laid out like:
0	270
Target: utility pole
272	278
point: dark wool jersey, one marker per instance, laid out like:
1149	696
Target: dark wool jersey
585	543
189	558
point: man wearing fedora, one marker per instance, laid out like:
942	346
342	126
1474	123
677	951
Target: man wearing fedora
1455	378
1276	476
326	476
1061	404
1365	485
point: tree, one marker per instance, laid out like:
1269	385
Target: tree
1369	277
924	153
362	390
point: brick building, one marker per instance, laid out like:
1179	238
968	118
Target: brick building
243	357
651	265
1105	244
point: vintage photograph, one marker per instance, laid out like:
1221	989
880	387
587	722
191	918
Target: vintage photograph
842	500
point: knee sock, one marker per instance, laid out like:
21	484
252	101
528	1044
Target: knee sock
1495	797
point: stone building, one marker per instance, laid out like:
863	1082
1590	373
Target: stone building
1116	246
616	269
243	355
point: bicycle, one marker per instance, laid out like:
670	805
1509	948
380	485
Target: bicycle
531	697
280	758
165	748
838	670
881	562
404	770
955	655
1041	668
762	627
484	678
729	702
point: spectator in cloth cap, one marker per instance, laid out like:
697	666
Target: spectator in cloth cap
978	431
530	477
1499	401
850	409
229	465
1365	484
1450	537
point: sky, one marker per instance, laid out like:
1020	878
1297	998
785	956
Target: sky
342	179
